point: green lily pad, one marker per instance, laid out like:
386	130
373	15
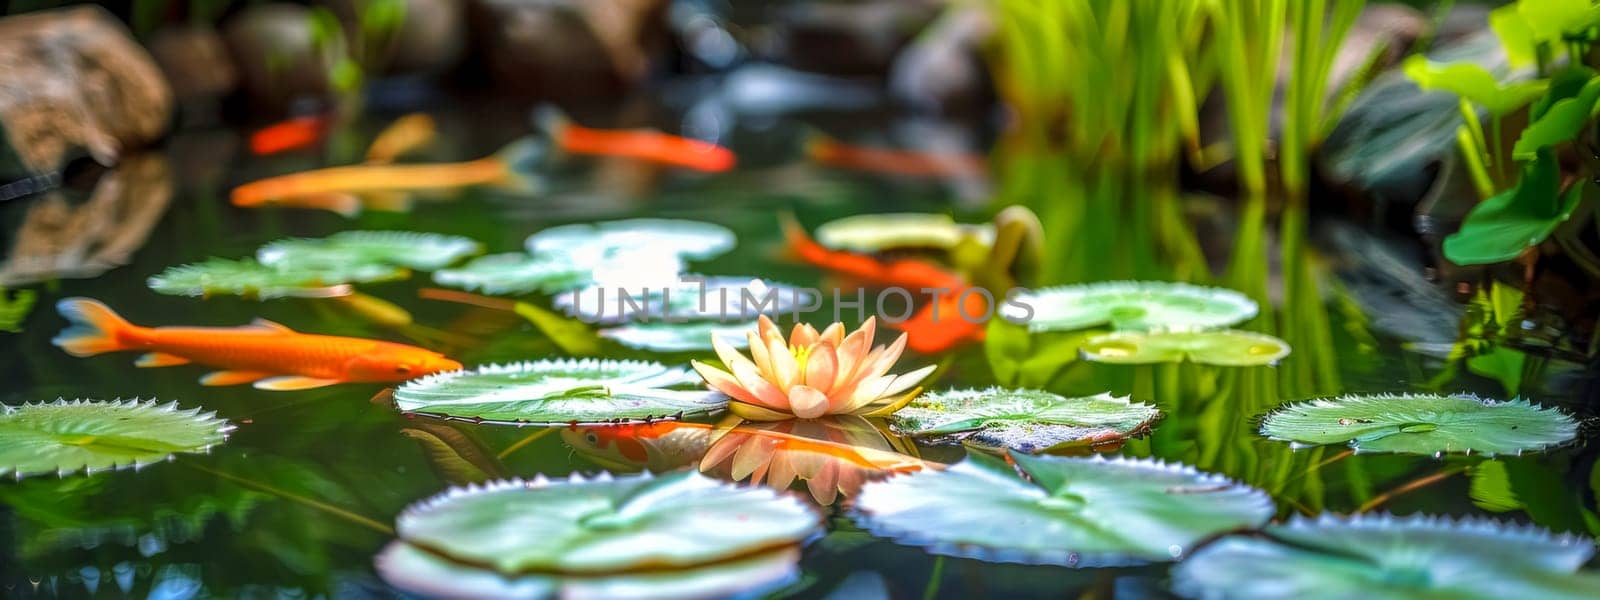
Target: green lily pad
1225	348
429	575
680	337
1069	511
64	437
1131	305
1424	424
1022	420
605	524
514	273
1381	556
559	391
690	297
1474	83
590	243
250	279
420	251
1500	228
878	232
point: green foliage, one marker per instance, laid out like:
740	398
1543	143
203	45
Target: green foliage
559	391
65	437
1500	228
1422	424
1474	83
1225	348
1023	420
14	309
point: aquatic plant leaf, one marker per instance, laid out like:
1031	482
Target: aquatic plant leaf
1070	511
420	251
590	243
14	309
1500	228
1425	424
605	524
1132	305
879	232
1023	420
558	391
1224	348
64	436
429	575
514	273
1561	122
1474	83
1382	556
248	278
688	297
680	337
573	337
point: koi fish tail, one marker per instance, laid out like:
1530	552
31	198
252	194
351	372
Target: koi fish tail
521	159
95	328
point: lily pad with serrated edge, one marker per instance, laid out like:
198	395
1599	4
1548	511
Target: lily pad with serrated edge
1382	556
514	273
679	337
879	232
1069	511
559	391
592	242
1225	348
718	298
1023	420
248	278
1131	305
420	251
64	436
1426	424
605	524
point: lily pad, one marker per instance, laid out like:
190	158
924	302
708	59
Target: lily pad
1132	305
68	436
1068	511
559	391
1226	348
514	273
1023	420
879	232
680	337
420	251
248	278
429	575
1381	556
689	298
1424	424
589	243
605	524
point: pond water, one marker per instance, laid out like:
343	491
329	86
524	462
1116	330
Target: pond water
299	500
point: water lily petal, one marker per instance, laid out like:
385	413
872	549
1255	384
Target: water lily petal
904	381
803	335
722	381
785	370
833	335
807	402
823	361
727	353
762	391
767	329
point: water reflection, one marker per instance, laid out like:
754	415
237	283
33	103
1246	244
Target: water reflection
61	239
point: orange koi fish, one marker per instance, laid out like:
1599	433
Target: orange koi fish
642	144
834	153
293	134
345	189
656	447
272	356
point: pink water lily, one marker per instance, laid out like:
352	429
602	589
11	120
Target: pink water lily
811	374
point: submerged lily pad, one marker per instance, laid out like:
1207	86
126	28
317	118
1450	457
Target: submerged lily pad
559	391
718	298
514	273
605	524
1226	348
1022	420
680	337
429	575
879	232
588	243
1069	511
248	278
420	251
1132	305
68	436
1383	556
1425	424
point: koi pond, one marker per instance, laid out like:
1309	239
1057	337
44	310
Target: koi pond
467	347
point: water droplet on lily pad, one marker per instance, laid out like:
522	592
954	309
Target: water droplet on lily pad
1425	424
420	251
559	391
879	232
1023	420
1132	305
1223	348
64	436
1068	511
248	278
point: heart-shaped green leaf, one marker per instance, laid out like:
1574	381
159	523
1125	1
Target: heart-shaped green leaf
1500	228
1474	83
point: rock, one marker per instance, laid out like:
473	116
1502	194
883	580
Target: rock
73	80
278	62
565	49
942	72
431	40
61	239
848	38
195	61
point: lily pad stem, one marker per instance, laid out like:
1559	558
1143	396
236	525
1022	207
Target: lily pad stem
296	498
1408	487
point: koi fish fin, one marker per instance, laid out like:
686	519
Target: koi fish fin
292	382
216	378
95	327
521	159
387	201
344	203
404	136
160	359
269	325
